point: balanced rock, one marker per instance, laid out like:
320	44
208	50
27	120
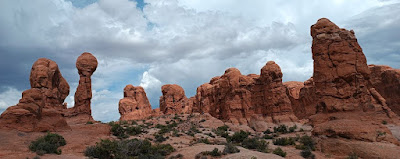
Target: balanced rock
174	100
386	81
41	107
135	105
347	106
86	65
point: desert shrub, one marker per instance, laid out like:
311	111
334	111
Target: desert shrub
133	122
202	120
255	144
352	156
123	122
230	148
281	129
47	144
215	152
293	128
134	148
267	131
210	134
175	133
306	143
279	151
266	136
118	131
384	122
194	129
89	122
222	131
238	137
206	141
134	130
159	138
284	141
301	130
190	133
306	153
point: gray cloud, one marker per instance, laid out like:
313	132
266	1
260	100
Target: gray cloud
171	41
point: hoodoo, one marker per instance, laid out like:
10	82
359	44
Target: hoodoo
81	112
41	107
134	105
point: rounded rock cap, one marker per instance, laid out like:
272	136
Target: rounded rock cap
86	64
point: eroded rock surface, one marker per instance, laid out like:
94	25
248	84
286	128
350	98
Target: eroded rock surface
41	107
174	100
135	105
386	81
86	65
241	99
347	105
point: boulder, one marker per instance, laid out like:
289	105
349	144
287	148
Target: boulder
41	107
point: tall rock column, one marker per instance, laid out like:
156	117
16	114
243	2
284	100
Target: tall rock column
174	100
134	105
86	65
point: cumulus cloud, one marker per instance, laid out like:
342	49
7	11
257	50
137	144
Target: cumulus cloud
9	97
174	41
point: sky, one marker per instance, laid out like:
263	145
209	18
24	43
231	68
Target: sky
186	42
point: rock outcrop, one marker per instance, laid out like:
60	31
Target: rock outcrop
347	106
135	105
174	100
86	65
41	107
386	81
240	99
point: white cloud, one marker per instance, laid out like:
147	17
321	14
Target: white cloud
9	98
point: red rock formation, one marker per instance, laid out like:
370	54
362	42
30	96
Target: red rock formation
241	99
174	100
40	108
86	65
386	81
135	105
348	108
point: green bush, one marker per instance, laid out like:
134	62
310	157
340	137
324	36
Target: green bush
118	131
89	122
238	137
284	141
134	130
222	131
306	153
160	138
293	128
230	148
266	136
267	131
206	141
307	142
122	149
47	144
215	152
384	122
279	151
255	144
178	156
281	129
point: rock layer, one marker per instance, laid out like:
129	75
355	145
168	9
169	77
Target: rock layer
81	112
41	107
135	105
